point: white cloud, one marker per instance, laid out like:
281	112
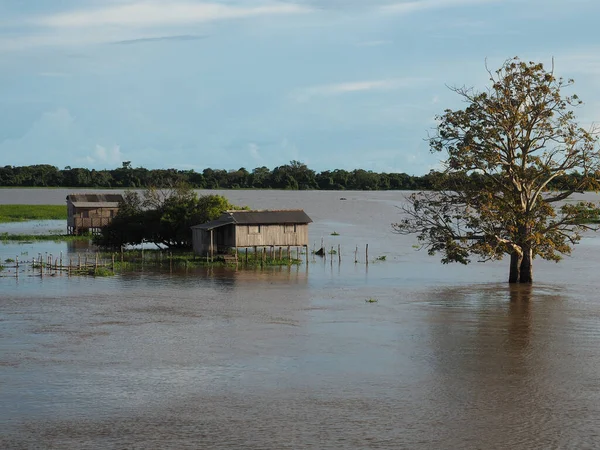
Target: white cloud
154	14
54	74
253	149
375	43
306	94
103	155
414	6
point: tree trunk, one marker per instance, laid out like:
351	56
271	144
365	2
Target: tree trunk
515	266
526	273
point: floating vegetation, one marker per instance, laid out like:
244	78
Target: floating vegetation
335	233
30	238
381	258
371	300
23	213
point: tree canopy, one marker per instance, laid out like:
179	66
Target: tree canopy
504	152
162	217
294	175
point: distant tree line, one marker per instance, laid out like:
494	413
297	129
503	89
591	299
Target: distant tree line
292	176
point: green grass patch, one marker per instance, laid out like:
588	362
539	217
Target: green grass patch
23	213
26	238
135	259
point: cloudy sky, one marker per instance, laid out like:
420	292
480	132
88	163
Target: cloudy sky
246	83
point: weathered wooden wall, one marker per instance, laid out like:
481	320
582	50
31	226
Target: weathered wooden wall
272	235
86	218
242	236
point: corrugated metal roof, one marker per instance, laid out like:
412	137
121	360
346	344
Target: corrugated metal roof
266	217
95	198
96	204
269	217
221	221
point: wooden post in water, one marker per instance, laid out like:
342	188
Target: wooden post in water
61	262
306	249
246	255
70	265
367	254
339	253
212	250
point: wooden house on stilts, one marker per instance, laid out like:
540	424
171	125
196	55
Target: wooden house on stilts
89	212
244	229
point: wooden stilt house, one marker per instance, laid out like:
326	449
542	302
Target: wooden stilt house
90	212
244	229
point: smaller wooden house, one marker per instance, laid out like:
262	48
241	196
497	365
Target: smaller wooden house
244	229
90	212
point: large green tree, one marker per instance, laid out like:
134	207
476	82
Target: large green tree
503	152
161	216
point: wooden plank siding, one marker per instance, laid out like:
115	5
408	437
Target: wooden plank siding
83	215
243	236
269	235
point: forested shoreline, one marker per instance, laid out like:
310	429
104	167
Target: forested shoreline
292	176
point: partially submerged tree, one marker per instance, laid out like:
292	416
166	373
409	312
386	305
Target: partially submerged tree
503	151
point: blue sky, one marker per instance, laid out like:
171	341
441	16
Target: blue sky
231	83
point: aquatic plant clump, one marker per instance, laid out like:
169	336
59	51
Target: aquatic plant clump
23	213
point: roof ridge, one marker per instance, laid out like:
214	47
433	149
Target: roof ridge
261	210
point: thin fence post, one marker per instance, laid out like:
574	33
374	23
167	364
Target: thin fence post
367	253
339	253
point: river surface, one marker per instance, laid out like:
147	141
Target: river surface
448	357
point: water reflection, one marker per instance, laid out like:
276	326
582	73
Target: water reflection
519	316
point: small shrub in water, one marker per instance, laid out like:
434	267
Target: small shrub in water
371	300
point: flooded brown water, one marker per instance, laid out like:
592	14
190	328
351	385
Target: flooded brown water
448	357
